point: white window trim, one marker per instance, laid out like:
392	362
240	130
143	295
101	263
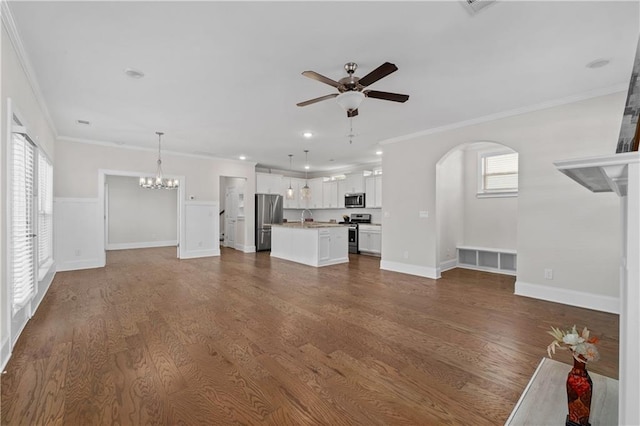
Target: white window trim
481	192
44	265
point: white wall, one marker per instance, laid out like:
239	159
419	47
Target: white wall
139	217
560	225
16	85
450	206
488	222
79	166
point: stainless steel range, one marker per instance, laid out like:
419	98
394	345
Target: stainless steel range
354	237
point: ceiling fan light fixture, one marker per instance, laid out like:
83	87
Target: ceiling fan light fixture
350	100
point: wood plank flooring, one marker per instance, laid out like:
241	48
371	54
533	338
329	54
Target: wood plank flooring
246	339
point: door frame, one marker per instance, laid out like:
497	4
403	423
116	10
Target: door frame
102	210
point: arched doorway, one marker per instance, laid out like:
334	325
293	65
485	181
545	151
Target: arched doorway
470	215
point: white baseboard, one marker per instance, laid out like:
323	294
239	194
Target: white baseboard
194	254
569	297
80	264
5	352
447	265
405	268
245	249
148	244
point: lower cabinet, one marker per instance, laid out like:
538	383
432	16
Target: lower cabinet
370	239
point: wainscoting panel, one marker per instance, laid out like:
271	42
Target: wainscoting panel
78	233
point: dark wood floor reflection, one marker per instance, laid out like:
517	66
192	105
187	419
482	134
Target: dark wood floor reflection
247	339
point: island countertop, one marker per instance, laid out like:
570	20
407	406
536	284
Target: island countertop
309	225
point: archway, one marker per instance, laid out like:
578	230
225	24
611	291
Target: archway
469	216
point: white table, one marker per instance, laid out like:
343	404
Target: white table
544	400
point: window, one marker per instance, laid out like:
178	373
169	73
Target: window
22	229
498	175
45	214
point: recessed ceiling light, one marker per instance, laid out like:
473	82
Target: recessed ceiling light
307	135
133	73
378	152
83	122
598	63
306	167
242	157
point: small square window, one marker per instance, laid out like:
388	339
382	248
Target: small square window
498	174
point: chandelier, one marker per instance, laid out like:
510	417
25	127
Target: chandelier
305	191
158	182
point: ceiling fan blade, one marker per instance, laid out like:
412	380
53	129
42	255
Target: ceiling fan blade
375	75
395	97
321	78
313	101
352	113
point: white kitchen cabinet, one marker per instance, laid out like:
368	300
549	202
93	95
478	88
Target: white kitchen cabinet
354	183
342	189
316	201
330	195
373	191
370	239
268	183
313	245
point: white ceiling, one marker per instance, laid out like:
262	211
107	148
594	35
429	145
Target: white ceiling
223	78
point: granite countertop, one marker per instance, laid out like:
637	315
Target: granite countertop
310	225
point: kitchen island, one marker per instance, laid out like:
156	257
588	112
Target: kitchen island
311	243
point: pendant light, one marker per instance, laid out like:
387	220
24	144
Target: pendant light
158	182
290	193
305	191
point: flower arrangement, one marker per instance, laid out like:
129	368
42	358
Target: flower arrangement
582	346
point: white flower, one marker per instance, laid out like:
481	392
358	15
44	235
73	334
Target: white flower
572	339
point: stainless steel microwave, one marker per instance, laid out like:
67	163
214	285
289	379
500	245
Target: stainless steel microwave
354	201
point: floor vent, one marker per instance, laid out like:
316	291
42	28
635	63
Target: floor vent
475	6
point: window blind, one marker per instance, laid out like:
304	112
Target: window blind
500	172
22	223
45	211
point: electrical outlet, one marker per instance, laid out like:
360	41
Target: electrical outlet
78	252
548	274
406	255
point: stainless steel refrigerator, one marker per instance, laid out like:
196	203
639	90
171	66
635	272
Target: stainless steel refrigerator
268	212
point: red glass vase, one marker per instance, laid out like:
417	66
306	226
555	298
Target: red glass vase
579	389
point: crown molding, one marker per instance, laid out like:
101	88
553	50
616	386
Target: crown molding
142	148
510	113
12	30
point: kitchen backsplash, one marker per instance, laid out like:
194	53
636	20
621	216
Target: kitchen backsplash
325	215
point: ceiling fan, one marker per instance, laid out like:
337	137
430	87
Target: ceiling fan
351	88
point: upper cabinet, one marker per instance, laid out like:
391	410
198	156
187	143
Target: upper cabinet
354	183
316	201
373	191
325	194
268	183
330	194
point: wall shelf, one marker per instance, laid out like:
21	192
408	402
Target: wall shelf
501	261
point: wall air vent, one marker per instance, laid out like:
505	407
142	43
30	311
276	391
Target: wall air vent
475	6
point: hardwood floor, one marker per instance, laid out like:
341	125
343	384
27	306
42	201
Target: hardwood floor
246	339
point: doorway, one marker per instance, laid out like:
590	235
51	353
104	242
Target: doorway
136	217
232	214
